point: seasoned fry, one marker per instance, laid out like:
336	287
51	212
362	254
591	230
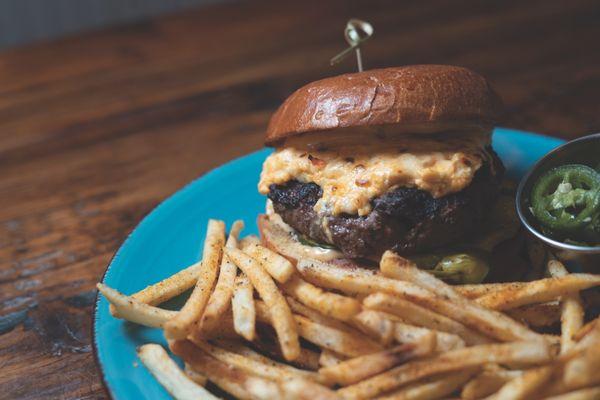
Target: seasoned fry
231	379
134	311
313	315
173	379
489	322
283	321
473	291
583	371
431	388
195	375
355	280
280	241
572	309
181	325
539	291
404	333
456	360
327	303
166	289
329	358
489	381
346	342
299	389
245	351
524	386
242	307
421	316
375	324
220	299
586	329
279	267
269	370
249	240
293	383
342	342
362	367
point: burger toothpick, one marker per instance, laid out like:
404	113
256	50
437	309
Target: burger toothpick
356	33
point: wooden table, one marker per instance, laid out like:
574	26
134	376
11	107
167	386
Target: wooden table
97	129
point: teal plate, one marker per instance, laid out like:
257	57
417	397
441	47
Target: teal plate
170	238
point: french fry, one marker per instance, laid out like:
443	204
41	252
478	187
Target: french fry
583	371
489	381
173	379
473	291
520	352
375	324
280	241
582	394
489	322
359	368
249	240
245	351
269	370
314	315
134	311
195	375
431	388
404	333
539	291
586	329
231	379
302	389
327	303
354	280
279	267
166	289
421	316
220	299
283	320
242	307
344	342
524	386
572	309
181	325
327	358
587	338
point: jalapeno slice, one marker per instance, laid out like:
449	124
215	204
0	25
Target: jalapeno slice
566	199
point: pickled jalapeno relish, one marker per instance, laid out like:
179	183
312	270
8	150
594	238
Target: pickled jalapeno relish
565	202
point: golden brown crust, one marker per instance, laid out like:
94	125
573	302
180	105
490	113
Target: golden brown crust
417	94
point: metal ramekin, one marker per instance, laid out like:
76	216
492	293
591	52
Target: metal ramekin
585	150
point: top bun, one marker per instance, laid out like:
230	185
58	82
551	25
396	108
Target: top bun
416	94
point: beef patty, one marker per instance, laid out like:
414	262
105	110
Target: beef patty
406	220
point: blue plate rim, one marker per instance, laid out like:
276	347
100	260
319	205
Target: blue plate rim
170	198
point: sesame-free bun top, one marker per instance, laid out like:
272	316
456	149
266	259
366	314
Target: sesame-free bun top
416	95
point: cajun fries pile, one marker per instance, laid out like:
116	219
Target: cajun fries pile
264	321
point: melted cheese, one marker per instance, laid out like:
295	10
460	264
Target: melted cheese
351	176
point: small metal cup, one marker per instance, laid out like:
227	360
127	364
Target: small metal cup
585	150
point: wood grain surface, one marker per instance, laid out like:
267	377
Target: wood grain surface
97	129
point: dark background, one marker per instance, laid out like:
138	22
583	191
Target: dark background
96	129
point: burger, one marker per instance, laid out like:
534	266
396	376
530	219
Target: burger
397	158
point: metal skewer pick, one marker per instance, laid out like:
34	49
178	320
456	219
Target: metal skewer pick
356	33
